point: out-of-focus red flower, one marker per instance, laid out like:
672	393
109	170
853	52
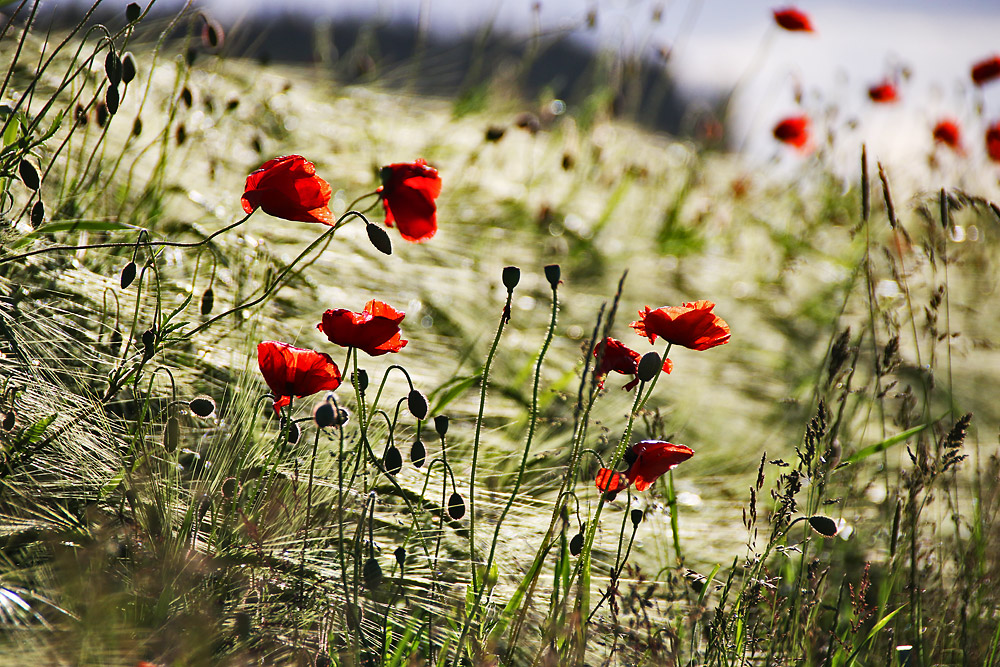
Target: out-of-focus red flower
793	20
621	359
993	141
294	371
288	187
793	131
986	70
691	325
408	192
884	92
948	133
647	461
374	330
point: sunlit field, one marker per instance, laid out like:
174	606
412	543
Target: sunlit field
300	372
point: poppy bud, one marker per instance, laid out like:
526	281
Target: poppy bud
400	554
576	544
636	516
148	344
360	377
393	460
649	366
186	97
630	457
204	505
28	174
102	114
207	301
511	277
190	56
112	99
610	496
293	432
418	453
203	406
129	69
9	418
37	214
824	525
229	488
343	416
417	404
211	35
456	506
552	274
137	127
171	434
441	425
132	12
181	134
372	573
325	414
379	239
113	67
80	115
494	133
128	275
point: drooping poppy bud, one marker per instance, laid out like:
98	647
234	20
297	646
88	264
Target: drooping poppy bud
129	69
171	434
229	488
148	344
494	133
400	554
186	97
293	430
576	544
456	506
113	67
649	366
417	404
418	453
372	573
392	460
101	113
37	214
28	174
441	425
207	301
128	275
9	419
137	127
824	525
112	99
325	414
133	12
203	406
360	378
379	238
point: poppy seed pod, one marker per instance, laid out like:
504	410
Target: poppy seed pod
113	67
392	460
552	274
511	277
128	275
37	214
325	414
129	69
456	506
636	516
379	239
400	554
441	425
576	544
28	174
148	344
203	406
372	573
418	453
171	434
417	404
112	99
824	525
133	12
207	301
649	366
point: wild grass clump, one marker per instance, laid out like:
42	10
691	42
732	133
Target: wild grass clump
254	433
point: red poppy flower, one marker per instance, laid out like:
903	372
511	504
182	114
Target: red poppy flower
292	371
692	325
793	130
986	70
288	187
621	359
408	192
374	330
793	20
884	93
647	461
948	133
993	141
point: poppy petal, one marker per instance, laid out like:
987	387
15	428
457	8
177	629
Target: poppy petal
610	481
